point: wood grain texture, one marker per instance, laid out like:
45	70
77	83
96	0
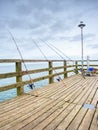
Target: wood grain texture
59	107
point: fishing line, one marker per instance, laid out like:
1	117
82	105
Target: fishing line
59	78
52	47
31	85
58	50
61	52
53	50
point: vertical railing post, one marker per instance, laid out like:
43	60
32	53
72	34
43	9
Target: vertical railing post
65	69
20	89
76	65
50	72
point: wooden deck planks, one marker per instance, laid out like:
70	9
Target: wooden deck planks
66	122
46	104
94	124
58	107
84	114
20	107
86	123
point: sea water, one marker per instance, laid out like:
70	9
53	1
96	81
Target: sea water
10	67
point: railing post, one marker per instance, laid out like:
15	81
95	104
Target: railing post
50	72
20	89
65	69
76	69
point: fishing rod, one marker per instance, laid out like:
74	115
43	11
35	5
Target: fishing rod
52	47
59	78
56	50
48	44
31	85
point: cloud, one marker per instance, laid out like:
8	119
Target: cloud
48	19
89	36
93	46
52	5
47	15
86	37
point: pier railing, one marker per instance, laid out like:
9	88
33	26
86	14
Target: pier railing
63	67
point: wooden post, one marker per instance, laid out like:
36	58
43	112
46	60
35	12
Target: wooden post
20	89
76	69
65	69
50	72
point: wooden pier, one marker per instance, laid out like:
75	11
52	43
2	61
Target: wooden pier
60	106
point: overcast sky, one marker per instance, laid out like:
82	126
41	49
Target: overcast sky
53	21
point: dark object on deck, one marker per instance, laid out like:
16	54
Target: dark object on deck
88	74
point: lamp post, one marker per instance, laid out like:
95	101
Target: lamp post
81	25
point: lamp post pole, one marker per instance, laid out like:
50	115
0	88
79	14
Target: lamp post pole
81	25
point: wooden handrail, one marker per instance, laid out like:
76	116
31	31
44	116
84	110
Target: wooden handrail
26	60
50	75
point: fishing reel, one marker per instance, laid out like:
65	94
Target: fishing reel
31	86
58	79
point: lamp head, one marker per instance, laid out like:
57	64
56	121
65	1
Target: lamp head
81	25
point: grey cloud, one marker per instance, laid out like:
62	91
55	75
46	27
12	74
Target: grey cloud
86	2
59	25
93	46
1	25
36	12
86	37
24	10
18	23
47	18
89	36
42	32
34	26
44	10
2	36
14	23
53	5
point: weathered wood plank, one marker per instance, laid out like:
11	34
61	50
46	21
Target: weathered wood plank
52	125
86	123
7	87
59	106
25	60
58	97
77	120
40	119
13	74
43	91
94	124
50	118
64	124
79	117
